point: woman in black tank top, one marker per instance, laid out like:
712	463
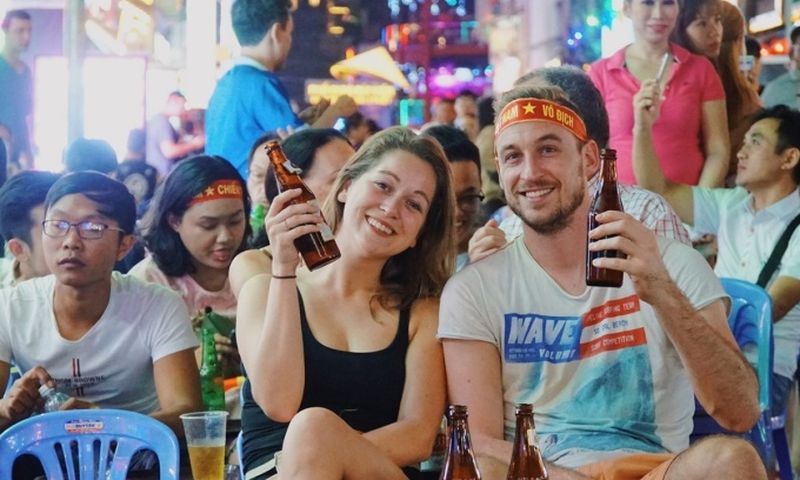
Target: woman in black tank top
345	375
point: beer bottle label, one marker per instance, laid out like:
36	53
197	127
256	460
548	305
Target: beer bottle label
324	229
326	232
530	436
291	168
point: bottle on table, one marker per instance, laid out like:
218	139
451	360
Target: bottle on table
606	198
53	399
316	248
211	378
459	462
526	459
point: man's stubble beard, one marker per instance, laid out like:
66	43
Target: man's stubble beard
559	219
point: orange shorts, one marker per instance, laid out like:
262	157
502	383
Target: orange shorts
640	466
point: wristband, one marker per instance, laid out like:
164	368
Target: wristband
284	277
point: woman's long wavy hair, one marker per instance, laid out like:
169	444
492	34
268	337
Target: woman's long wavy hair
422	270
741	99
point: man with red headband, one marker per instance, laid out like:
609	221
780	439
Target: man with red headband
611	372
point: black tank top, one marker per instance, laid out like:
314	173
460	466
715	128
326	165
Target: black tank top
364	389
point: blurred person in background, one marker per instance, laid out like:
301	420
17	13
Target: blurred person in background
165	145
443	112
16	85
357	129
319	154
699	28
691	135
715	29
753	74
465	165
741	100
785	90
467	113
258	166
87	154
21	215
493	194
250	100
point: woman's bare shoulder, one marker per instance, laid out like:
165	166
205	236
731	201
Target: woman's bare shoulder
424	315
247	265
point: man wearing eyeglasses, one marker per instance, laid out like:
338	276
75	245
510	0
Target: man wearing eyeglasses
105	339
465	164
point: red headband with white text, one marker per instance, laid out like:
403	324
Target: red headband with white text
219	190
538	110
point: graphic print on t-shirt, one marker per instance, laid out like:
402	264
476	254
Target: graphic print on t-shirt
77	381
533	337
576	368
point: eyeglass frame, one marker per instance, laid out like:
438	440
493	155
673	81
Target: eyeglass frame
475	198
81	231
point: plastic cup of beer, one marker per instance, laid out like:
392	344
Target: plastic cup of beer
205	437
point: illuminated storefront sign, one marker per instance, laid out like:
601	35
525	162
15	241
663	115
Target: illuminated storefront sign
381	94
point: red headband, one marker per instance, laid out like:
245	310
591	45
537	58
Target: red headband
219	190
538	110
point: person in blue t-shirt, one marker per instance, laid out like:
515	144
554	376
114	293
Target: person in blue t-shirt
249	99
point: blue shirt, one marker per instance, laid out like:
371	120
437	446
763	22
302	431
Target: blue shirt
248	102
17	103
784	90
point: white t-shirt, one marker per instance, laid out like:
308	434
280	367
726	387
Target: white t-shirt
7	267
112	364
602	375
746	239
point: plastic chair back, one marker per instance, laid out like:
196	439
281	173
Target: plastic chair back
750	320
89	444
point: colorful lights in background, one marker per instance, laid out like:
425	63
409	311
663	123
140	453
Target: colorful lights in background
588	20
438	7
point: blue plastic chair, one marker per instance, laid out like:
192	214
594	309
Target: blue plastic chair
89	444
750	320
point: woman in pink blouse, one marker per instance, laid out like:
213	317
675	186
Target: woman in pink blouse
690	135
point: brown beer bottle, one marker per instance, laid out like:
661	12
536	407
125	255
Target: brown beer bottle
317	248
526	459
459	462
606	198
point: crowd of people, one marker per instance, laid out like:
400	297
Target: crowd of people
444	293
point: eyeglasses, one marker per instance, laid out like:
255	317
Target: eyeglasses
470	202
86	230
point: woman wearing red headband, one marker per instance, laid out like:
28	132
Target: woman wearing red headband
195	226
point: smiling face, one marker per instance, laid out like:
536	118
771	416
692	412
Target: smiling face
77	262
705	32
212	232
542	169
653	20
386	207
